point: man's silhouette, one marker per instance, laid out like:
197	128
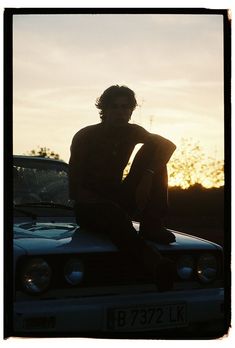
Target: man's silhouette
103	201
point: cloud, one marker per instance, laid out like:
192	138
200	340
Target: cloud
150	45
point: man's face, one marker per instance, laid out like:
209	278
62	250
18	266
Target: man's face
118	113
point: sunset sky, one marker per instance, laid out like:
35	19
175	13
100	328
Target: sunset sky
62	63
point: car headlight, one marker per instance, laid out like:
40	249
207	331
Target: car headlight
185	267
74	271
36	275
207	268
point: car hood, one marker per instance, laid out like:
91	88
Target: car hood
54	238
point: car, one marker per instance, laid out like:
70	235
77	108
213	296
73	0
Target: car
70	281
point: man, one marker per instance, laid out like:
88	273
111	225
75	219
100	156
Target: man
103	201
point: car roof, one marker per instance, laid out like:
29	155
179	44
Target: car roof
31	161
36	158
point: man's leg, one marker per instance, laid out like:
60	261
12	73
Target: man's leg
153	216
111	219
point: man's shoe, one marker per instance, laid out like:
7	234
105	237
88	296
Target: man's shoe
159	235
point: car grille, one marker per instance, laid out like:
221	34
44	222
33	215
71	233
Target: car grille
114	269
103	269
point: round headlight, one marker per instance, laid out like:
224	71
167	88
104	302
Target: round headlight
207	268
74	271
185	267
36	275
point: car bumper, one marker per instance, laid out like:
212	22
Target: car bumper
91	314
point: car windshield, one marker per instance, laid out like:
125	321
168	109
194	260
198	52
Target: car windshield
36	181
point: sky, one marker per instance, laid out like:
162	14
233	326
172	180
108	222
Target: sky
62	63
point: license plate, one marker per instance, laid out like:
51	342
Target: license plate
147	317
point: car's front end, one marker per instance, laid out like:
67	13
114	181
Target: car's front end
70	281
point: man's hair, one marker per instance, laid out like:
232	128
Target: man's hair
108	96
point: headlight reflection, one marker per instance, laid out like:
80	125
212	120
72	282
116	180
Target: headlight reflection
36	275
74	271
207	268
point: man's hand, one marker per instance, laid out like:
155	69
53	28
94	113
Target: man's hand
143	190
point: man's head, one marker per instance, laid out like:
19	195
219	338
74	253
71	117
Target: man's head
116	105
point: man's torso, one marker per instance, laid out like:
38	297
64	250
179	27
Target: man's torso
107	154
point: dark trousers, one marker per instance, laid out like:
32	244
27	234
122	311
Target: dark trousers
115	217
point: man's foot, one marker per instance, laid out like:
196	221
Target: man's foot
157	234
161	236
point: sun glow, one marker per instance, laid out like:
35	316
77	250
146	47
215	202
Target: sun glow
206	182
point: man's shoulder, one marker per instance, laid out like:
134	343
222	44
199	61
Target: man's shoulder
136	129
86	131
135	126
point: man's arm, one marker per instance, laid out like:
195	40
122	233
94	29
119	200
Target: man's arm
77	169
162	147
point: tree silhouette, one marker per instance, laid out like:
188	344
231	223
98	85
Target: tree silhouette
189	166
44	152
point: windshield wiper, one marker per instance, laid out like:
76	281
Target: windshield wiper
25	212
45	204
